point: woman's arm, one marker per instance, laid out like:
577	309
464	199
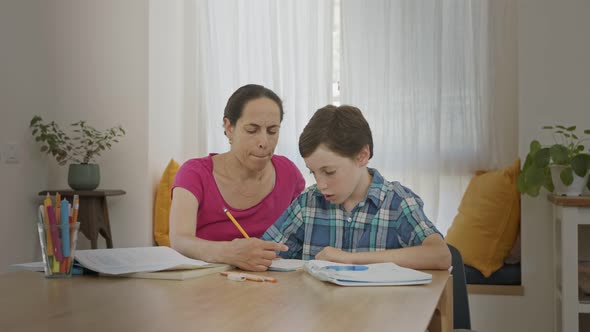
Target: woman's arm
432	254
247	254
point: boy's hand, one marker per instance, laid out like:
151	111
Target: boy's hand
253	254
334	255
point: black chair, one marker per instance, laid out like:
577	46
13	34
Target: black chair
461	316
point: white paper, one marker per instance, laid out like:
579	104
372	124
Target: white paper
286	265
33	266
381	274
129	260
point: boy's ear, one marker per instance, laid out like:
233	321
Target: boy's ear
362	158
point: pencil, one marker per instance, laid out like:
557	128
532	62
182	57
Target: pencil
76	208
57	207
47	203
236	223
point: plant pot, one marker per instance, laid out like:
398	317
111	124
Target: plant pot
574	189
83	176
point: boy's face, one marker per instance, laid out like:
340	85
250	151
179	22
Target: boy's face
338	177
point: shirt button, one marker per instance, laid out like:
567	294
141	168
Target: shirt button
349	219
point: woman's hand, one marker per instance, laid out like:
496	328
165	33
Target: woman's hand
334	255
252	254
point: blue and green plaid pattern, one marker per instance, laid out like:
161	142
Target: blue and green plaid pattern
391	217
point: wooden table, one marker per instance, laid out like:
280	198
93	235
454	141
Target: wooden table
297	302
94	212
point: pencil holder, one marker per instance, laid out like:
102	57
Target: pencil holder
58	245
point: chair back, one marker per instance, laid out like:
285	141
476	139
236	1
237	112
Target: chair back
461	315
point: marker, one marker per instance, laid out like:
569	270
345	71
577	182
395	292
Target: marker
65	228
236	223
54	235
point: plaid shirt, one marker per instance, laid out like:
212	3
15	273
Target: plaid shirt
390	217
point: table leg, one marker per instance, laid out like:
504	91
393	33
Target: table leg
89	218
105	229
94	220
442	319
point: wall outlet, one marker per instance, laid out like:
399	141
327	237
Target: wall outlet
11	153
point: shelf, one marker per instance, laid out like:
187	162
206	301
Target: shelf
584	299
579	201
514	290
584	308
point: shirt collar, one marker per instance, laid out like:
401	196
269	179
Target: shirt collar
376	187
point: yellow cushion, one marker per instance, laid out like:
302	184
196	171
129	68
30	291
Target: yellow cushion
162	204
488	221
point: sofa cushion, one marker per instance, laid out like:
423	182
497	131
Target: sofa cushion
508	274
162	204
488	220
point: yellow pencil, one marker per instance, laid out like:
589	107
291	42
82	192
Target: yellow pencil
236	223
46	203
57	207
76	207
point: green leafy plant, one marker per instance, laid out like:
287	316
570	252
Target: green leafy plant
82	147
567	151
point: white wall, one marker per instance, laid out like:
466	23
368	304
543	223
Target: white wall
554	74
99	62
71	60
24	92
166	86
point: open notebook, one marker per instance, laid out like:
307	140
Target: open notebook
145	262
380	274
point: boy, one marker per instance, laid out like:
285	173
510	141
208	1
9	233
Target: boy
352	214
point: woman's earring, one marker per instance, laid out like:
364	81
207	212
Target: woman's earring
230	141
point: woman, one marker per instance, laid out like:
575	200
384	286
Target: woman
254	185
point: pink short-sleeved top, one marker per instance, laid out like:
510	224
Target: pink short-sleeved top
196	176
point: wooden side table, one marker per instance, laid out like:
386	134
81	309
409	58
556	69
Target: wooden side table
93	214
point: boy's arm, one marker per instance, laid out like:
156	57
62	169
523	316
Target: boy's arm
432	254
288	230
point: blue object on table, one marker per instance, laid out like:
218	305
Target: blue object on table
347	267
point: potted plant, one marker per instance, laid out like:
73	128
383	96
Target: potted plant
80	149
562	167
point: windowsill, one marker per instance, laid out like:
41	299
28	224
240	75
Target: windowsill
511	290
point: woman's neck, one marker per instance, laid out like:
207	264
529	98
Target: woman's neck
236	171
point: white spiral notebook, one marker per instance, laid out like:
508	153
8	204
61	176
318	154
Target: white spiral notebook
381	274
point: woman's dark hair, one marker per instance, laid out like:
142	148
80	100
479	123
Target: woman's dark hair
239	99
342	129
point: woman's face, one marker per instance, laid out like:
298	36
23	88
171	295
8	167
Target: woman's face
256	133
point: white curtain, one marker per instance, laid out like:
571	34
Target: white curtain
423	73
283	45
